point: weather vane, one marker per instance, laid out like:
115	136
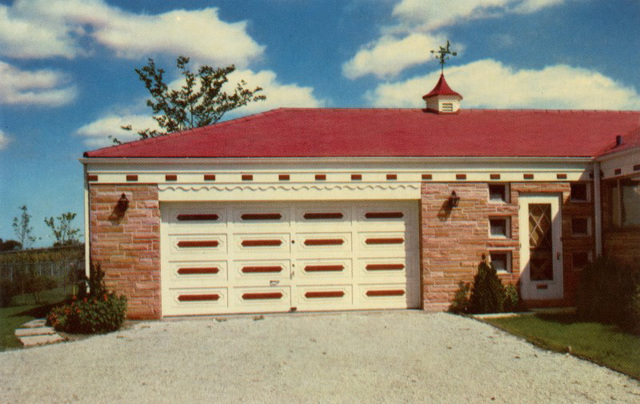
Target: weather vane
442	55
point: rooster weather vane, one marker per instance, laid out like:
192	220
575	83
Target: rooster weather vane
442	55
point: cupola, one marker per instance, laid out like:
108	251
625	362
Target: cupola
442	99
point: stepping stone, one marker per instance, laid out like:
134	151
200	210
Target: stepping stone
39	322
27	332
40	340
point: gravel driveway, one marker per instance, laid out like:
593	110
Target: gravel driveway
393	356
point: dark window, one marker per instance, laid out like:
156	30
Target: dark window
501	260
579	192
626	203
580	260
498	193
499	227
580	226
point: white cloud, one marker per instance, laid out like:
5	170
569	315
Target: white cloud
279	95
45	28
490	84
199	34
25	37
436	14
37	87
389	55
4	140
418	30
97	133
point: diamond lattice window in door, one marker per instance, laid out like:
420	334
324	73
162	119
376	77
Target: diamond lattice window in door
540	242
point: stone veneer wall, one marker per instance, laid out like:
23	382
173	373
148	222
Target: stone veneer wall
453	242
128	246
620	244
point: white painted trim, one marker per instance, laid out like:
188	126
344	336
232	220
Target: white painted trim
288	192
87	236
192	172
597	209
624	161
617	154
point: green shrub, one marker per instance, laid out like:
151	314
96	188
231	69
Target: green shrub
8	289
635	309
606	293
460	303
96	314
487	295
511	298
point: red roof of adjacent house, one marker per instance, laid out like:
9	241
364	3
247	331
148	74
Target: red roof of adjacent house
292	132
441	88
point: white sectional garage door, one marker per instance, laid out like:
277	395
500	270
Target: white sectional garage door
306	256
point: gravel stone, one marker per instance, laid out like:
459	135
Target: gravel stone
390	356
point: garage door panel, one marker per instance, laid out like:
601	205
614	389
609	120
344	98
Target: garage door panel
252	244
261	271
198	273
324	297
393	218
190	218
183	246
323	271
388	296
184	301
271	217
382	270
377	244
322	244
256	299
323	218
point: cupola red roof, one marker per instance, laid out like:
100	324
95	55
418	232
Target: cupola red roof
441	88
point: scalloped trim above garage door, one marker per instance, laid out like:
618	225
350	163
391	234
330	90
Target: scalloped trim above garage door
273	257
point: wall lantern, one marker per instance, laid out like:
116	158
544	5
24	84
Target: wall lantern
453	200
123	204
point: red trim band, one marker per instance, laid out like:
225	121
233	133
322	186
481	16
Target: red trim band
257	296
203	243
198	298
385	293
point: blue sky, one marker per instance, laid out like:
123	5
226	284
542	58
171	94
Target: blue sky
67	77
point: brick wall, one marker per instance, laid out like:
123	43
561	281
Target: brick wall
453	241
128	246
620	244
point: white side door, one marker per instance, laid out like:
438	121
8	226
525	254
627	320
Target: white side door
540	231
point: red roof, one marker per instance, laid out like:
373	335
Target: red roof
628	141
292	132
441	88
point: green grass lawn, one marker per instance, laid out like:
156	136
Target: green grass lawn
24	309
606	345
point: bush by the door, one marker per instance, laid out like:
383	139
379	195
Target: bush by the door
610	293
487	295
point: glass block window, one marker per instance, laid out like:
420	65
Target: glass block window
498	193
501	260
579	192
580	226
499	227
